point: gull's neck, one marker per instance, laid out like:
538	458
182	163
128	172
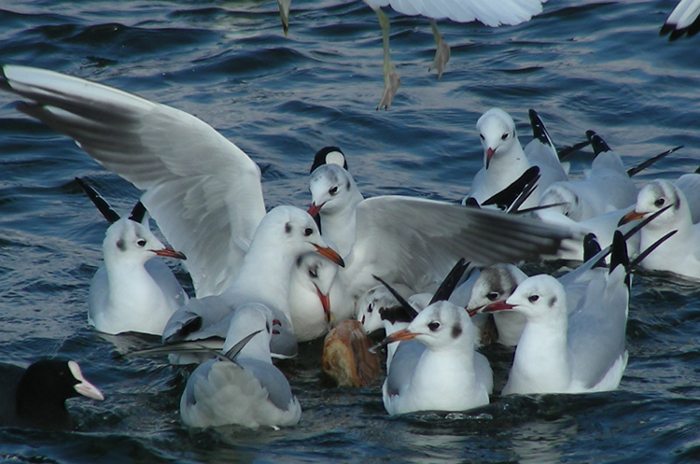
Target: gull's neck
541	358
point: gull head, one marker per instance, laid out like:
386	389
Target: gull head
128	240
497	133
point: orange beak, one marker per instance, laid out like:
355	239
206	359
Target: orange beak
399	336
629	217
170	253
497	306
314	210
331	254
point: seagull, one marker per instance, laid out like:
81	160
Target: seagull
505	160
509	12
442	371
607	187
206	196
284	235
334	198
131	291
241	386
405	241
309	302
496	283
35	397
684	19
681	253
570	350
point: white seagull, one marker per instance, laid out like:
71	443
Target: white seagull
406	241
496	283
131	291
563	350
607	187
505	160
680	254
284	235
242	386
493	14
442	372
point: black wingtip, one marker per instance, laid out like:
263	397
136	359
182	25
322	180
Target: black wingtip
506	197
597	142
645	164
138	213
539	131
402	301
619	256
109	214
450	282
320	158
566	151
591	248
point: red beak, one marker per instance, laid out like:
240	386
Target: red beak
489	154
314	210
326	303
497	306
170	253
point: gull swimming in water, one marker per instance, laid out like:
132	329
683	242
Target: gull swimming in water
681	253
241	386
131	291
442	371
570	350
406	241
505	160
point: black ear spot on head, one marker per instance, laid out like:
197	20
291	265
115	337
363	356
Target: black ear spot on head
456	330
287	228
553	301
121	245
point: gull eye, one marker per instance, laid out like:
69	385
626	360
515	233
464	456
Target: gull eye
505	136
141	242
370	309
433	326
482	136
267	327
313	273
533	298
492	296
333	190
659	202
308	231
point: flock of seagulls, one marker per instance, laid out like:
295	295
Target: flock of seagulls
265	280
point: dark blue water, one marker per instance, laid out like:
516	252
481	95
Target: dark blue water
582	65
